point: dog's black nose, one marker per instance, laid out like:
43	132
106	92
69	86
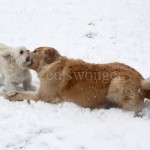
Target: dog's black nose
28	50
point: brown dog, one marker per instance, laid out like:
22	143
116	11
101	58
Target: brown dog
88	85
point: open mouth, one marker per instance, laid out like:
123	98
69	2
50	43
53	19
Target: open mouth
28	59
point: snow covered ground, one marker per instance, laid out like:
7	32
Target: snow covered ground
98	31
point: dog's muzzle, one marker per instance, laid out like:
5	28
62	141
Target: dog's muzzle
28	60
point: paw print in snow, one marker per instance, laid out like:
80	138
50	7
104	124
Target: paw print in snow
90	34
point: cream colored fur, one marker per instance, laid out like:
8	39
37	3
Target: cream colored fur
12	70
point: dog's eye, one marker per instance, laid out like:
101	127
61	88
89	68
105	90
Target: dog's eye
35	51
21	52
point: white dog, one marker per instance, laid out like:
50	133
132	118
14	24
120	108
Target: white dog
12	70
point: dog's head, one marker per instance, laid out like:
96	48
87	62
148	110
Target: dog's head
17	56
42	56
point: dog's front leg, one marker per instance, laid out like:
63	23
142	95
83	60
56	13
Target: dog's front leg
2	79
27	85
22	96
10	88
28	97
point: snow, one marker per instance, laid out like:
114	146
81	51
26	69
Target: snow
98	31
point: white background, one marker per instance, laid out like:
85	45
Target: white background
97	31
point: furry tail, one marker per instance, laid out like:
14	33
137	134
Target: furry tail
146	84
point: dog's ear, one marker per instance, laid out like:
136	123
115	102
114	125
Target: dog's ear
6	55
50	55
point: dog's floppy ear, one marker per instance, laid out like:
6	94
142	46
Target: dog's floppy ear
50	55
5	54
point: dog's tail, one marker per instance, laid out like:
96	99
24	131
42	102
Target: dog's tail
146	87
146	84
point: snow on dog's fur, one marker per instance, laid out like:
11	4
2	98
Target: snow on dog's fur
12	70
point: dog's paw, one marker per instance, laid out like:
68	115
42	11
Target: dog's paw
138	114
11	93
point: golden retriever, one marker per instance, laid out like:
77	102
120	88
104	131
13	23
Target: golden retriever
86	84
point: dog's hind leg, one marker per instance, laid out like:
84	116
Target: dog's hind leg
125	94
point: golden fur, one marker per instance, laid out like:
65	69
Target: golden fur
88	85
